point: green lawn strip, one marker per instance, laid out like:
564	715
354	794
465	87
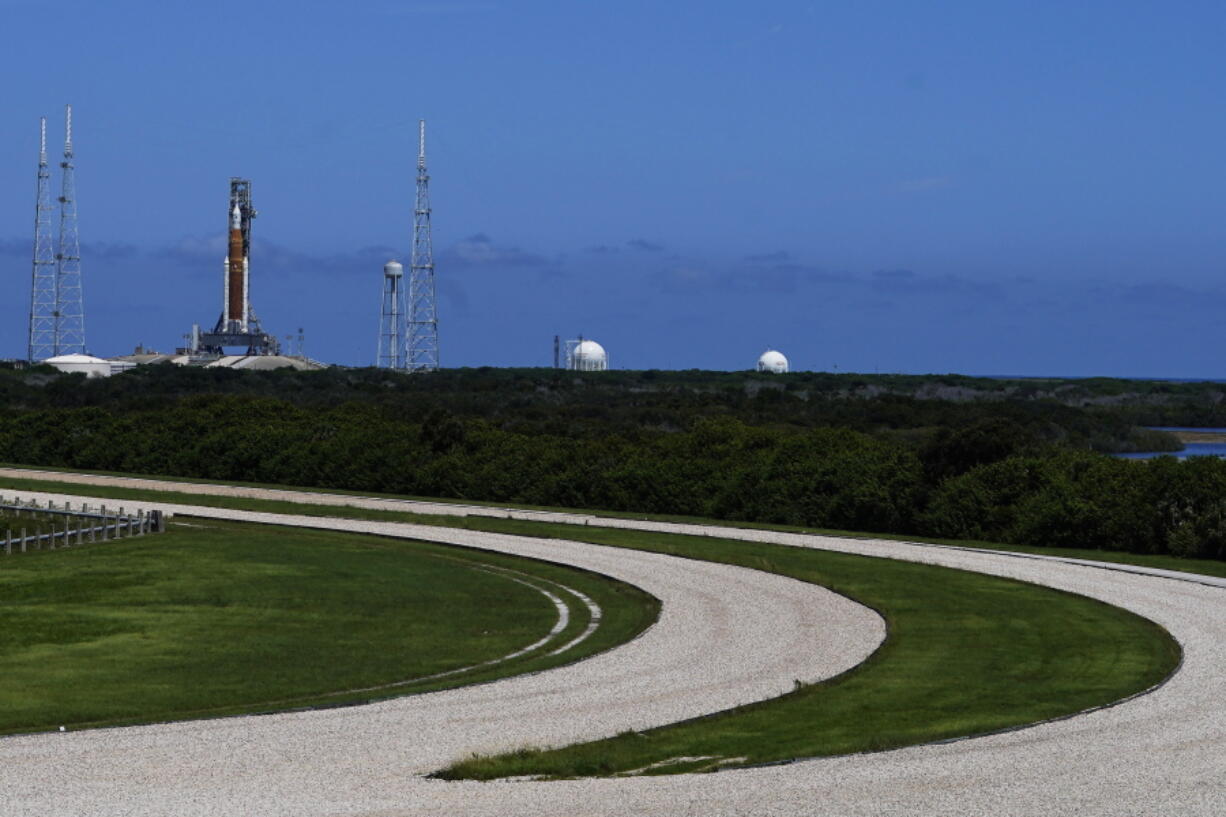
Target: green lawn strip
966	654
1208	567
1205	567
224	618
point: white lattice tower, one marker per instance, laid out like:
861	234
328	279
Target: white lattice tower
70	302
421	346
42	287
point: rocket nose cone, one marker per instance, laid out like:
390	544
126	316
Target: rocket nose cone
236	218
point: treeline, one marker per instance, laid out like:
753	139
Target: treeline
1006	477
718	467
908	409
1078	500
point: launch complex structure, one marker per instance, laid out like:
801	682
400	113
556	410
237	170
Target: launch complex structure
408	332
238	325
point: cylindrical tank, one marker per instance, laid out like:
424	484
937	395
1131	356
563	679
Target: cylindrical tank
393	269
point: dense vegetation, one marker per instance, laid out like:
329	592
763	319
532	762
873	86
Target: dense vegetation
1101	414
1011	461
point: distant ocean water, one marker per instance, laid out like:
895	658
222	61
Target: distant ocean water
1103	377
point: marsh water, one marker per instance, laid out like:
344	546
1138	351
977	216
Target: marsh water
1201	449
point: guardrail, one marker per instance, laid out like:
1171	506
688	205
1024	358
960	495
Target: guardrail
68	527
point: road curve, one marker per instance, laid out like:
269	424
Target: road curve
1160	754
726	636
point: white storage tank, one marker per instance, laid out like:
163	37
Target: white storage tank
89	365
773	362
589	356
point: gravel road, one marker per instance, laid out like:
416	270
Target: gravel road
1160	754
726	636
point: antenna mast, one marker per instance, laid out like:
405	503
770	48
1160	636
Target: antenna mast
42	287
421	348
69	303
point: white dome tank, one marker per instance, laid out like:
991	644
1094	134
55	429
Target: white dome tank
393	269
88	364
773	362
589	356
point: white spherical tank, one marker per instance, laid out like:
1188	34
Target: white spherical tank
773	362
393	269
590	356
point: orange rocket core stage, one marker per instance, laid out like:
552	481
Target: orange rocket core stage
234	307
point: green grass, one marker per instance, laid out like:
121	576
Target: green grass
1209	567
966	654
220	618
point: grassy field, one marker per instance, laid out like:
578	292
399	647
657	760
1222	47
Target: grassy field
966	654
220	618
1208	567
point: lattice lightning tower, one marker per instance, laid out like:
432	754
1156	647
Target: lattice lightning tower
42	287
421	347
391	318
70	305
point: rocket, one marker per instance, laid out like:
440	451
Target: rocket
235	304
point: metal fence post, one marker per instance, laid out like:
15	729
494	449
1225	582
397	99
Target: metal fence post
23	540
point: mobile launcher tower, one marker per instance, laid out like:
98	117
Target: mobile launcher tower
238	325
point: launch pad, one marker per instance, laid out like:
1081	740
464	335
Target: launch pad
238	326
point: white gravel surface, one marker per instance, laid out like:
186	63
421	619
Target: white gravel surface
1160	754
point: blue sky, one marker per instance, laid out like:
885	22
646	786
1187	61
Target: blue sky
1005	187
